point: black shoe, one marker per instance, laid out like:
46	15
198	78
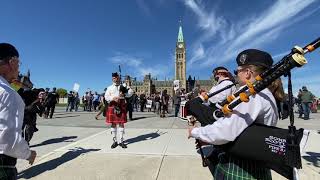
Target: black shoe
123	145
114	145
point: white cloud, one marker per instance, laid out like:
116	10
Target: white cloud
198	54
280	55
233	37
135	66
121	58
144	7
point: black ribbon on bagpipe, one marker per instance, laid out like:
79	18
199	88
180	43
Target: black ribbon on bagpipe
275	148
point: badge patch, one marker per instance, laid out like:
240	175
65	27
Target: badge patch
243	58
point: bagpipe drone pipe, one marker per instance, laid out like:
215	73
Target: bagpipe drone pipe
275	148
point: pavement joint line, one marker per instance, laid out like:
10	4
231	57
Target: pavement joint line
72	144
165	149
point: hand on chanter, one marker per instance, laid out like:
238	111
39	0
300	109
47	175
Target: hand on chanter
204	95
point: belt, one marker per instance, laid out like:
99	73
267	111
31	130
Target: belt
7	161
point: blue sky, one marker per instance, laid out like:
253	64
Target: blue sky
80	41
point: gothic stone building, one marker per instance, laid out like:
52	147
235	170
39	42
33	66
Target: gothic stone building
151	85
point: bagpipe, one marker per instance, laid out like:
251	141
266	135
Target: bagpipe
276	148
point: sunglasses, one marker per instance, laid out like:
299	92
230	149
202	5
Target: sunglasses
236	72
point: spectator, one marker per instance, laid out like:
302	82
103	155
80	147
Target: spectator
306	100
13	146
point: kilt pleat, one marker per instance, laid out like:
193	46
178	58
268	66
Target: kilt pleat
232	168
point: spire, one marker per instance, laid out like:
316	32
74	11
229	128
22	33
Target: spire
180	34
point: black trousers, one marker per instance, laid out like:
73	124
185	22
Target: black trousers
129	110
142	107
8	171
50	109
176	110
28	131
203	113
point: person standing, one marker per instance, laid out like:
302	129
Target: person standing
251	63
51	102
142	101
203	110
96	101
176	101
116	113
165	103
13	146
101	107
224	79
306	100
129	96
76	101
71	99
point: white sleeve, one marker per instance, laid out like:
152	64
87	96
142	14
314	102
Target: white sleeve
222	95
108	96
11	141
129	93
229	128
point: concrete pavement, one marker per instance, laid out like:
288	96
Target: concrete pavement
75	146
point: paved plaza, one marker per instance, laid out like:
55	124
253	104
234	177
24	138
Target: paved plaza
75	146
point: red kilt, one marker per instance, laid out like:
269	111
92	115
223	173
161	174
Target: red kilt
117	118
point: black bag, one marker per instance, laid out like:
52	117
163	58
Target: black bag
266	144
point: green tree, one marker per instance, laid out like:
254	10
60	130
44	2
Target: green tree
62	92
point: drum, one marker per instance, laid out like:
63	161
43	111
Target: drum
183	110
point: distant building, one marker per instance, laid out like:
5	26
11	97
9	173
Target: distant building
151	85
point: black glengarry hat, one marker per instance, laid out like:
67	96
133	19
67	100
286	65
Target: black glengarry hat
219	68
7	51
115	74
254	57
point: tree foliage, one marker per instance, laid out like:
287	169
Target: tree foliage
62	92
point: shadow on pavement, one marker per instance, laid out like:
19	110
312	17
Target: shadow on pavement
54	163
145	137
137	118
57	117
56	140
313	158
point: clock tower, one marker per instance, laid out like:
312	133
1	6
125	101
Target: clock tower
180	64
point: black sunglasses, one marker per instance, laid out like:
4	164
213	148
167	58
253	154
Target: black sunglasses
236	72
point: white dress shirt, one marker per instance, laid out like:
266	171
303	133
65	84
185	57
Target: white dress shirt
222	95
261	108
11	119
130	91
111	92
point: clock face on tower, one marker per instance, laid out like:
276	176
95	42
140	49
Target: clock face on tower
180	45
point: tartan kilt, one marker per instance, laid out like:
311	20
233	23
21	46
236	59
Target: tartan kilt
232	168
117	118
